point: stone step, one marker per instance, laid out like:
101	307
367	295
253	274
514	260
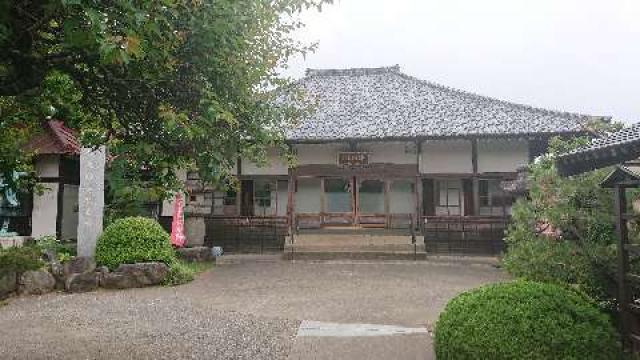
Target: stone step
349	239
357	255
389	248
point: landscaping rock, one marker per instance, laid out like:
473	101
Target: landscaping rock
8	284
82	282
196	254
101	272
50	256
151	273
57	270
79	265
36	282
116	280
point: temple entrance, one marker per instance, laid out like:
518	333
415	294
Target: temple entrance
339	201
365	202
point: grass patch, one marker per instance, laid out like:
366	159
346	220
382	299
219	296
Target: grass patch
182	272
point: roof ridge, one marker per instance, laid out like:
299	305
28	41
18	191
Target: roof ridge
63	135
353	71
502	101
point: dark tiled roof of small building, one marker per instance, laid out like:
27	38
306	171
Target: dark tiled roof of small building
615	148
55	139
385	103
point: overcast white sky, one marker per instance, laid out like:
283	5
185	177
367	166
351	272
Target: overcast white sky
573	55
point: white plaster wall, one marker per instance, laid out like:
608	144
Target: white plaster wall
167	204
167	207
319	153
395	152
69	226
45	210
446	157
275	165
502	155
47	166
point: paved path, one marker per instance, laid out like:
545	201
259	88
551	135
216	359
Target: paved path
248	310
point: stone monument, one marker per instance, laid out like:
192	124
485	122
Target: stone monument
90	199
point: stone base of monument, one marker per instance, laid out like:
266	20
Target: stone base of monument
10	241
134	275
196	254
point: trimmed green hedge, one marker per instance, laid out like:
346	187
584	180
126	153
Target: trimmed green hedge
132	240
524	320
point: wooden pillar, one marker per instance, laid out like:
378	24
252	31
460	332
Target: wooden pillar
474	156
290	203
386	188
418	186
623	262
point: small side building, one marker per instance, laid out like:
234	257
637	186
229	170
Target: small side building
54	210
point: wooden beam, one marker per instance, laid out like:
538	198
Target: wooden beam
474	156
623	263
418	186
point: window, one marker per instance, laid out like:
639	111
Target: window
338	195
448	197
371	200
262	197
402	197
491	199
307	197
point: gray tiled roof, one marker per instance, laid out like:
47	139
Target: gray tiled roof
615	148
625	136
385	103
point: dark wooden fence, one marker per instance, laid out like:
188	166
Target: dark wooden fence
245	234
481	235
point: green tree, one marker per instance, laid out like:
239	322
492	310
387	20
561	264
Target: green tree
165	84
564	231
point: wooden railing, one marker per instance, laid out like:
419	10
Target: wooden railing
482	235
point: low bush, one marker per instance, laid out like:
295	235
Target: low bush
133	240
589	269
182	272
524	320
50	245
20	259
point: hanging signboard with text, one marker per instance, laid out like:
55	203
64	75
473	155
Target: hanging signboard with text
353	159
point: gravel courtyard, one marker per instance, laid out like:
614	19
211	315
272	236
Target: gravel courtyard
245	308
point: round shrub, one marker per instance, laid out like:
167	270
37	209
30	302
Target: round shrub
524	320
132	240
